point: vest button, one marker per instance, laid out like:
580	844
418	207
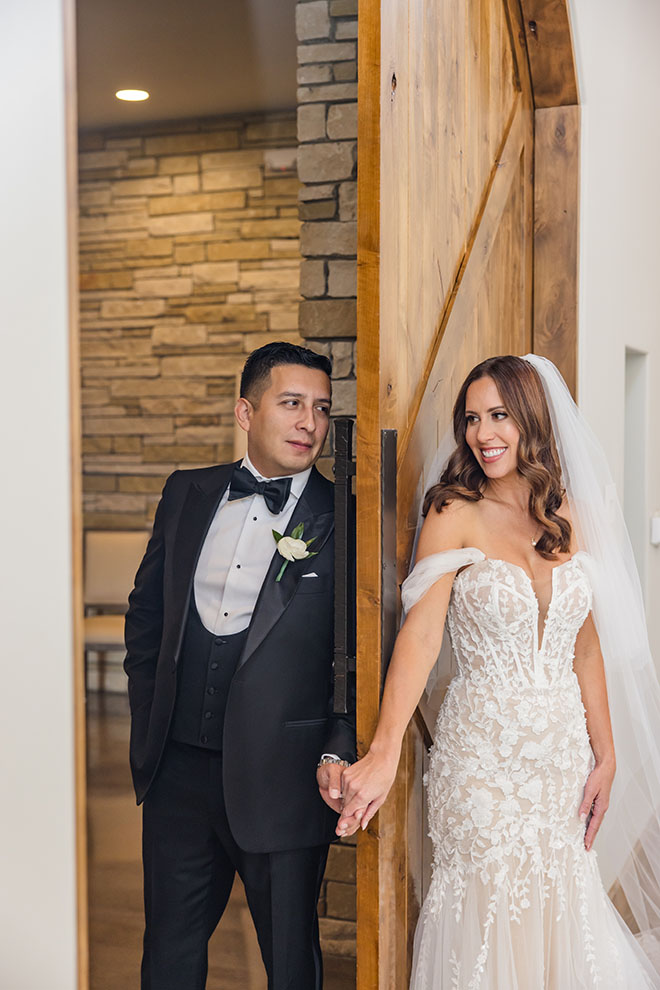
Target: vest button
214	665
204	739
208	715
211	690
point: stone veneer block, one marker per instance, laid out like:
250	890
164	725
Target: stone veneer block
311	124
328	318
203	366
328	160
333	52
344	71
178	164
312	20
343	8
325	191
186	335
344	397
181	223
93	160
328	238
270	278
312	279
111	308
307	74
180	144
342	121
164	287
197	202
271	131
158	186
318	209
346	30
229	178
131	425
328	93
184	184
348	201
342	278
211	272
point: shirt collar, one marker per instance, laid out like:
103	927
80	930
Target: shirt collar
298	481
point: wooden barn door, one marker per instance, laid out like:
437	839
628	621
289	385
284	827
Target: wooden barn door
461	255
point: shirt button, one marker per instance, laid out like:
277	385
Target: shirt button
214	665
208	715
238	567
254	518
225	614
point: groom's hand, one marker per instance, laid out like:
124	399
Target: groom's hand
328	777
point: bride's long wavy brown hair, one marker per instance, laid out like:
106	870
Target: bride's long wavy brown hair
522	395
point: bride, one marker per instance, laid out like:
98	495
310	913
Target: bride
518	551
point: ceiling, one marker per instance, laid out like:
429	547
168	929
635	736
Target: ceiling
195	57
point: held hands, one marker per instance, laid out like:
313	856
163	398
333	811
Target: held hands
329	779
596	799
365	785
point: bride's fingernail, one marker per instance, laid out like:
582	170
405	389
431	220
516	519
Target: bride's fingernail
583	817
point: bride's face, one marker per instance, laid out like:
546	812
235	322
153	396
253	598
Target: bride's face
491	434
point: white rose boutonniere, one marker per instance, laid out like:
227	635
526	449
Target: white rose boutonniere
292	547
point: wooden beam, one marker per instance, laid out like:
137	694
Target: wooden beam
556	219
550	49
368	468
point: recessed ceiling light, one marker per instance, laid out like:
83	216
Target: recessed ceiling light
132	95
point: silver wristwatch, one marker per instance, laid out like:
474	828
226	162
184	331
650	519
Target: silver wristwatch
325	760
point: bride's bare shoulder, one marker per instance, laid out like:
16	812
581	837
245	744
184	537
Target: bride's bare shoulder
447	528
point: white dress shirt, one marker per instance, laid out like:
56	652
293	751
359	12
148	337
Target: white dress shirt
236	554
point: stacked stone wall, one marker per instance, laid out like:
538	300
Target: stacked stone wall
327	168
189	259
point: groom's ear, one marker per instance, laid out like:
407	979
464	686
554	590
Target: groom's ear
243	413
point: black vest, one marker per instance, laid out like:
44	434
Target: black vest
206	666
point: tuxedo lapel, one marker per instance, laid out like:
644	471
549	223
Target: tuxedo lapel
316	514
199	508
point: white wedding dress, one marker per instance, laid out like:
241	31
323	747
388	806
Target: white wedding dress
515	901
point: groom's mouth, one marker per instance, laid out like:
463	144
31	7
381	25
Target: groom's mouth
297	445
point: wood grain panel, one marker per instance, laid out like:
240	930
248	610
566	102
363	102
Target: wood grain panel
550	47
556	212
368	461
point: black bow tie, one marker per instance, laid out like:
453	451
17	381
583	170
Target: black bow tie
275	492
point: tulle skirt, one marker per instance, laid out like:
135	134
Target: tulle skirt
563	935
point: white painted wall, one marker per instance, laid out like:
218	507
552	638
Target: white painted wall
619	72
37	851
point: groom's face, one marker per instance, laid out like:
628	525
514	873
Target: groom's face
288	423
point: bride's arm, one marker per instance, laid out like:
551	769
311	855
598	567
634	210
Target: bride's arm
365	785
590	671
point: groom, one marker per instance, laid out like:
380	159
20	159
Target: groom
229	660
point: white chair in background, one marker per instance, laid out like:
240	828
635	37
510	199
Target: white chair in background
111	558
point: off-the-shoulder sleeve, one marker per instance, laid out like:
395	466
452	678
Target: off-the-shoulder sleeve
431	569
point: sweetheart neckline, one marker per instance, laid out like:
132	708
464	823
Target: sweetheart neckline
500	560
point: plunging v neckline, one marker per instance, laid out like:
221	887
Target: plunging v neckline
539	632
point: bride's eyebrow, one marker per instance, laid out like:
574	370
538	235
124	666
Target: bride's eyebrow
470	412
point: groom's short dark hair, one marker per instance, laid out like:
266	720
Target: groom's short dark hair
257	368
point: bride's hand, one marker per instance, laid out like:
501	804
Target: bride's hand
596	799
365	785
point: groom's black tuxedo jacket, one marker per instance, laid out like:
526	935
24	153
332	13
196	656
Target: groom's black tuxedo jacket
279	717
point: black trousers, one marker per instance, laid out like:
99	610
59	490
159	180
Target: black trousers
190	859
